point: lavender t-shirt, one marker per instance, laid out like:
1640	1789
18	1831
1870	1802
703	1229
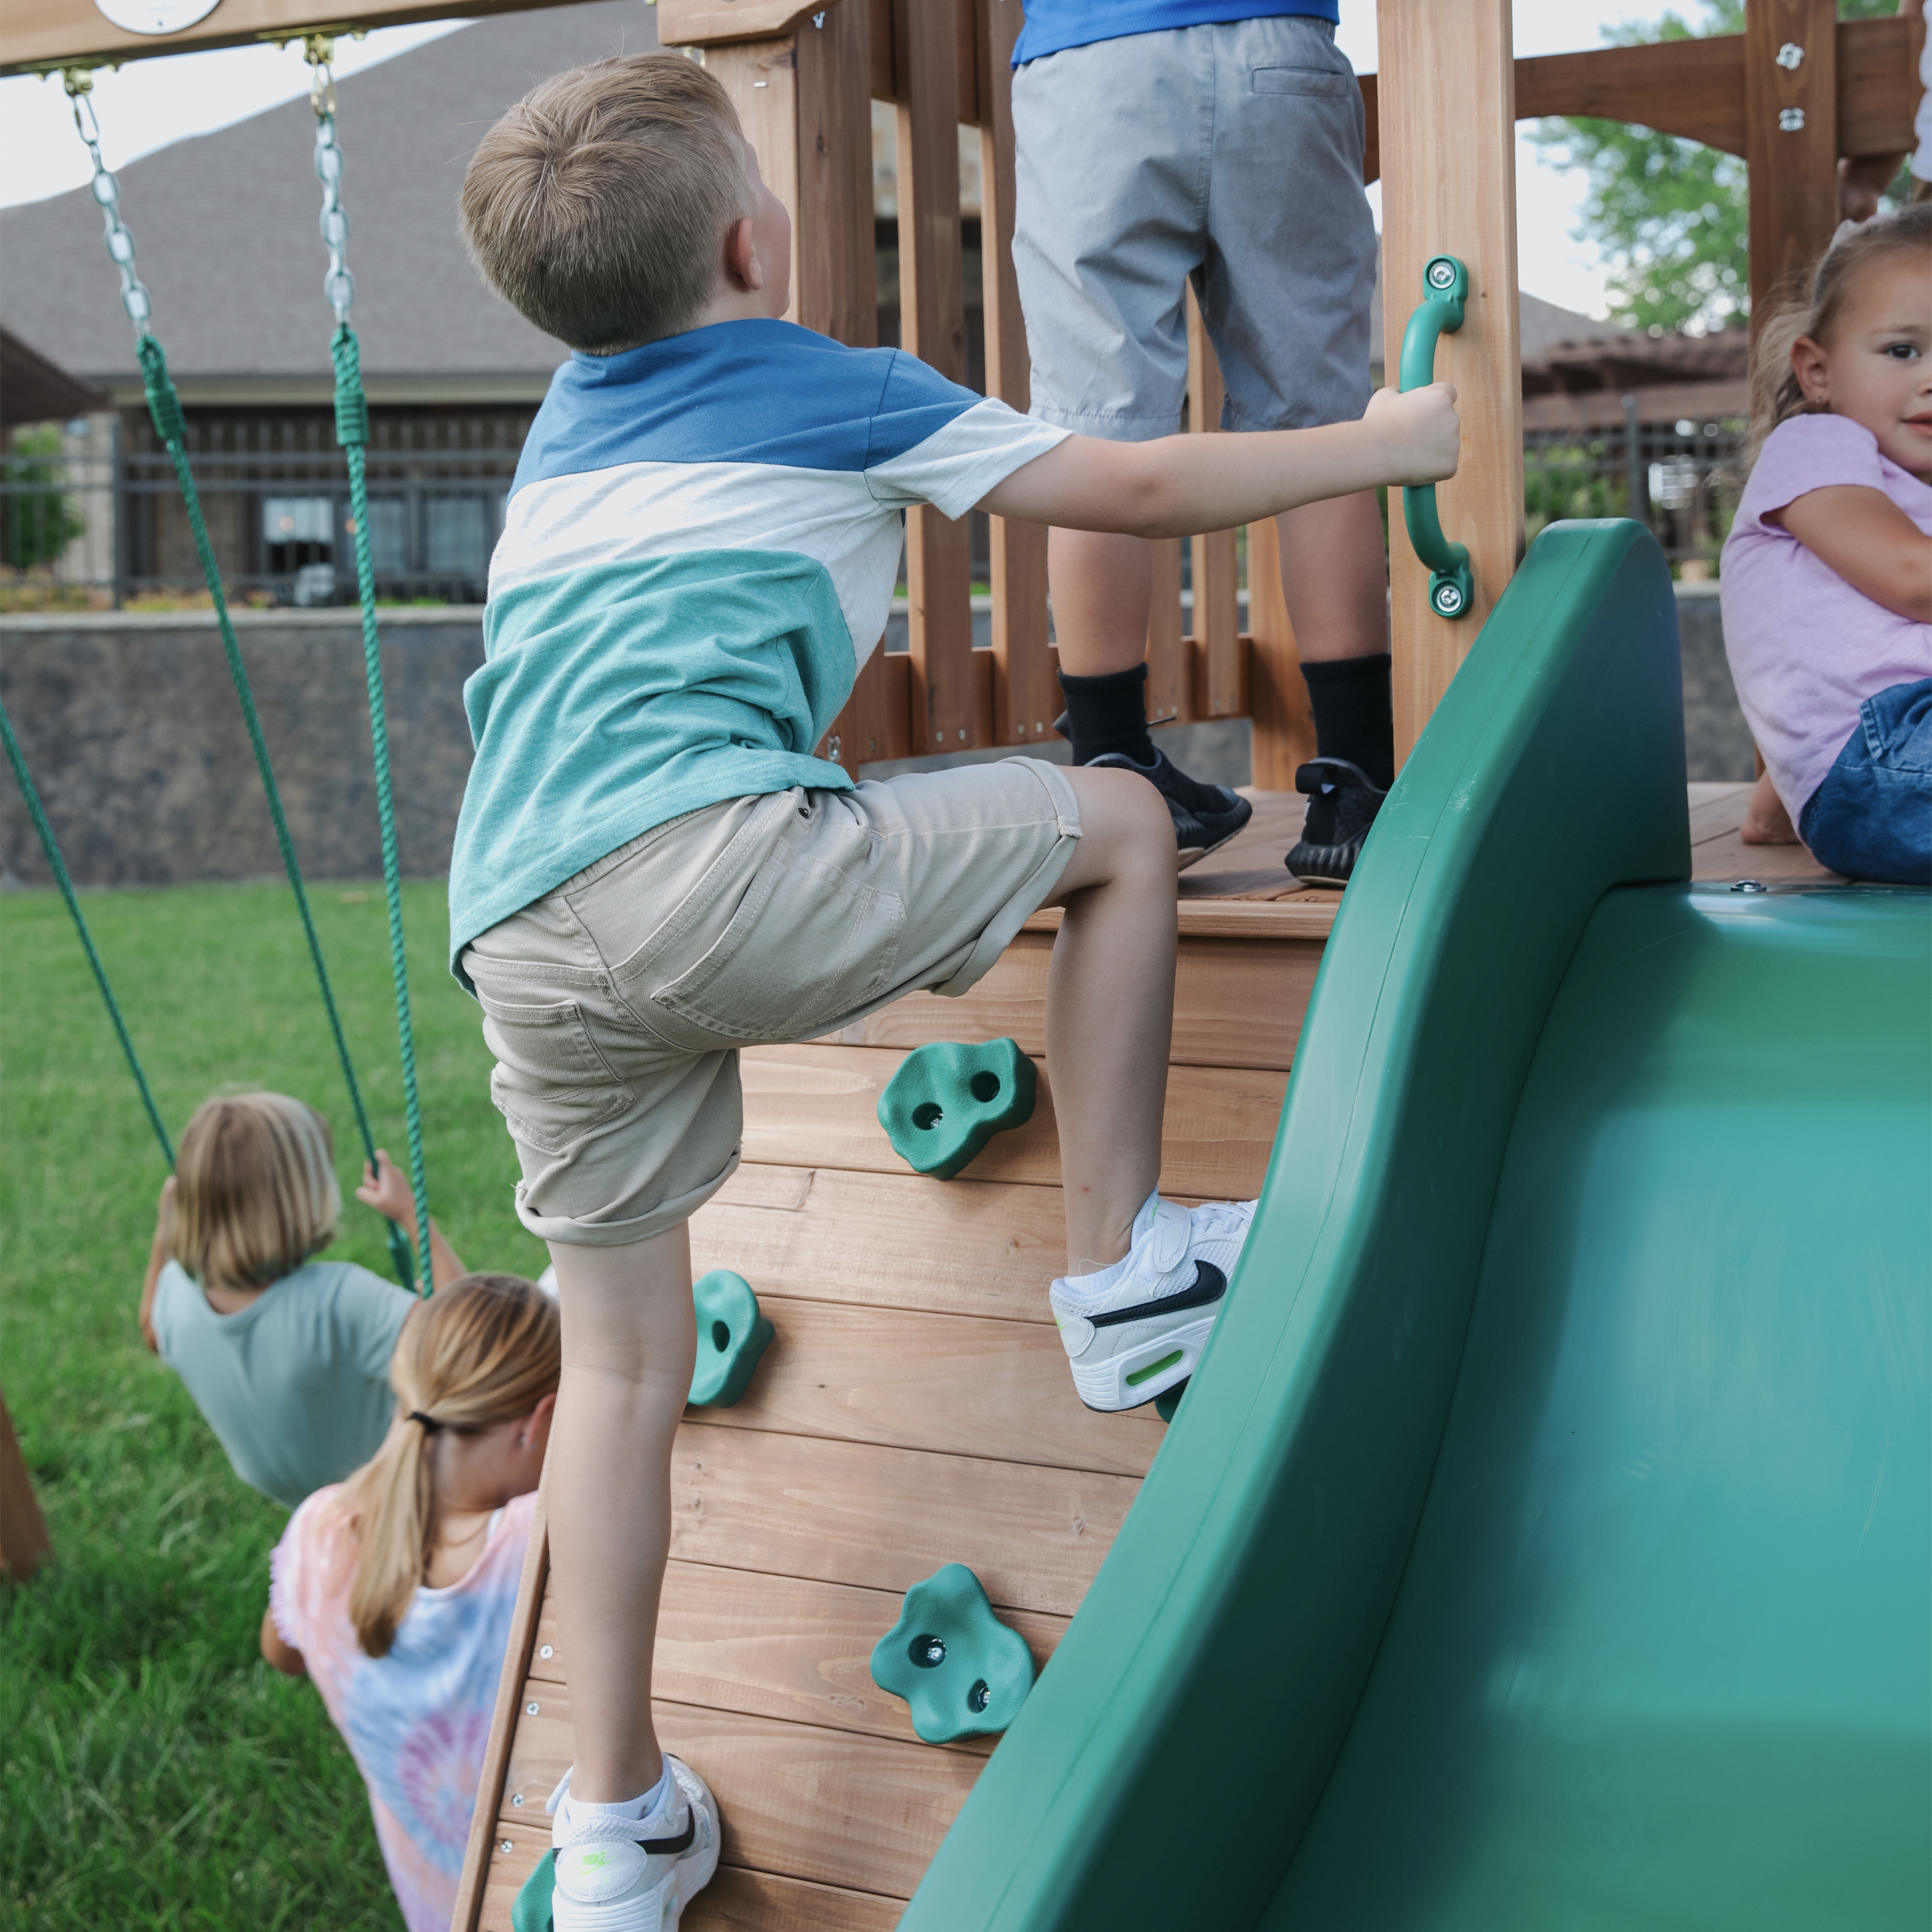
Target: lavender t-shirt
1806	649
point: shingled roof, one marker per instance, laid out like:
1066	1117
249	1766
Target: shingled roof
225	226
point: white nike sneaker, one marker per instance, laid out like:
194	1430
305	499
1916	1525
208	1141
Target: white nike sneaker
1135	1331
609	1878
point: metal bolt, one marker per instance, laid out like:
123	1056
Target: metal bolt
819	22
504	1845
1790	56
962	735
1750	886
1441	275
1790	120
547	1652
517	1800
530	1710
1448	600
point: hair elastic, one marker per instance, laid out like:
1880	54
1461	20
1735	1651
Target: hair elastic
429	1424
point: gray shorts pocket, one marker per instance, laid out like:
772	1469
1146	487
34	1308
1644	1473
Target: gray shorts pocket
550	1083
1304	81
806	945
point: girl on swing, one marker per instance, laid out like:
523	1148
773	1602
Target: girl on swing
287	1356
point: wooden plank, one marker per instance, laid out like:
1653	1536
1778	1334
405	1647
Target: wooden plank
812	1106
1284	735
956	1384
1692	88
833	248
1790	142
735	1900
1301	914
945	711
1217	621
25	1544
1878	84
1371	131
704	23
761	77
1449	183
849	1513
1235	1004
778	1646
1170	673
887	1240
478	1860
1026	695
875	723
794	1800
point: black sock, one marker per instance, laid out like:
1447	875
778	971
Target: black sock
1353	718
1108	713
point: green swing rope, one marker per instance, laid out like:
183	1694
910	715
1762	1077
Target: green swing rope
164	405
352	432
59	871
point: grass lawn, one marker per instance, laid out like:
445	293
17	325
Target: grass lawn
153	1771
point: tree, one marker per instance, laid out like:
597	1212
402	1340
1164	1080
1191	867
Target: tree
37	522
1668	215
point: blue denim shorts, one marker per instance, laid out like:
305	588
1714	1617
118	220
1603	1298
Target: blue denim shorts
1871	818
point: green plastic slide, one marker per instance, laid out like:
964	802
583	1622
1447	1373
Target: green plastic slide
1545	1541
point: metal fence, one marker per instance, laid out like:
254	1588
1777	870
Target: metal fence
90	514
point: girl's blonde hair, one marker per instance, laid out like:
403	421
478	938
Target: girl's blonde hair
485	1350
255	1191
1814	307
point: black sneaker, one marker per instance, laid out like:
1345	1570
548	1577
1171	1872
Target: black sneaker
1342	805
1206	817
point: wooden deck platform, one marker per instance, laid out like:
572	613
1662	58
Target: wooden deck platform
915	1408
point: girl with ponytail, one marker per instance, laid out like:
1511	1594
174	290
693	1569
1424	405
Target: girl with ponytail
392	1592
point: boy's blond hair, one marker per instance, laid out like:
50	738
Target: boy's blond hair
485	1350
599	203
255	1190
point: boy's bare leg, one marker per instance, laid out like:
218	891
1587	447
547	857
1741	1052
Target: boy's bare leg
1766	821
1335	578
1109	1010
629	1342
1103	589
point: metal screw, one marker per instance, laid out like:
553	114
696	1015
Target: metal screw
517	1800
1790	120
530	1710
1448	600
962	735
1441	275
505	1845
1750	886
548	1651
819	22
1790	56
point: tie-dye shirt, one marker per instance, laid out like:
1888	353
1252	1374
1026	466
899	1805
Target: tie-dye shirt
415	1721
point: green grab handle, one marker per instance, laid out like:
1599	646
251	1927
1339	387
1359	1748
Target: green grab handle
1452	589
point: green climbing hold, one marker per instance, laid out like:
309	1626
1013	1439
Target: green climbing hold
530	1912
731	1335
1165	1405
948	1100
964	1673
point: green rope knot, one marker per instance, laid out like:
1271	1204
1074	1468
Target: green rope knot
351	406
164	405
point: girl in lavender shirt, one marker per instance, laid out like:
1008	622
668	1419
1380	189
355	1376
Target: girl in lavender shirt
1827	573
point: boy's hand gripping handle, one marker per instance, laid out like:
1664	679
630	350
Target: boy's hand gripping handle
1452	588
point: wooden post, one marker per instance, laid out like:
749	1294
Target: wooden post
1278	693
761	77
1026	696
1447	121
1791	140
24	1544
1217	620
1170	672
831	239
945	709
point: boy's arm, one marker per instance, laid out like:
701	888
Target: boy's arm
158	1258
1180	484
1861	535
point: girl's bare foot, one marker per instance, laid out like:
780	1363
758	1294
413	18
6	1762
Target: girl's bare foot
1766	821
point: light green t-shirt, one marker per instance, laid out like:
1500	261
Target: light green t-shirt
296	1385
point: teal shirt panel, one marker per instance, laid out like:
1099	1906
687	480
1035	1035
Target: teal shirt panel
614	699
296	1385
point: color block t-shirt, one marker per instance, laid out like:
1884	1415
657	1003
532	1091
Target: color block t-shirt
1806	649
1053	25
699	554
416	1720
296	1385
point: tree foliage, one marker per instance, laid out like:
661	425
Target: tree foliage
1667	215
37	522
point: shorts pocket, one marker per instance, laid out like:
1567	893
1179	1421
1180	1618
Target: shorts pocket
550	1082
1324	81
807	945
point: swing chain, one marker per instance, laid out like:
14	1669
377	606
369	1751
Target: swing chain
338	285
79	83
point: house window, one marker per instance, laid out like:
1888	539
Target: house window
298	530
389	536
458	536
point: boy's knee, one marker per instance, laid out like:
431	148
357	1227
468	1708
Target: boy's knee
1123	819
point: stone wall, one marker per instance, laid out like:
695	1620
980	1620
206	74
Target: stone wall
130	728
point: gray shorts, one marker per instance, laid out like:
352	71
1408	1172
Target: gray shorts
615	1005
1230	154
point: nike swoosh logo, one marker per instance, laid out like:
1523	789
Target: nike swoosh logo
1209	1285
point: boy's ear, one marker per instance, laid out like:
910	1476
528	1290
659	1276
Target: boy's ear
1808	365
742	265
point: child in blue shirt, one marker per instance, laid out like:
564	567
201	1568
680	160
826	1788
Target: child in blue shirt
652	869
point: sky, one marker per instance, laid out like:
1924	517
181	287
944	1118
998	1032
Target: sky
151	103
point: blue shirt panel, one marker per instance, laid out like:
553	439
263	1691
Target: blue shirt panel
1053	25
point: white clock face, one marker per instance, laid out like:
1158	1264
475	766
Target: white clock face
155	16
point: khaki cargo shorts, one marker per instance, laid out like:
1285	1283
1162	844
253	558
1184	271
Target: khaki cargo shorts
615	1005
